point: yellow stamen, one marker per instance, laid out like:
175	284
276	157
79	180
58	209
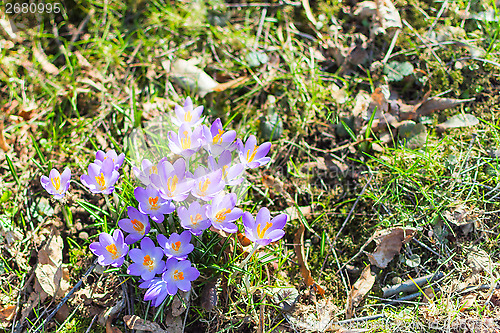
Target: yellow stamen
100	180
218	137
148	262
203	188
153	169
186	141
178	275
261	233
196	219
224	171
111	248
172	184
56	182
176	246
188	116
250	158
154	203
138	226
221	214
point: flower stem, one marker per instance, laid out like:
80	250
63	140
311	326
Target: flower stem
68	217
112	209
247	259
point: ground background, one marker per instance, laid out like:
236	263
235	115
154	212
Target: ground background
308	77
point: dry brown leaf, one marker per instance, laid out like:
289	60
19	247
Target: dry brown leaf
6	315
437	103
190	77
318	317
174	324
231	84
388	15
180	302
244	241
5	147
40	56
468	301
209	296
389	243
110	328
304	269
136	323
293	213
359	290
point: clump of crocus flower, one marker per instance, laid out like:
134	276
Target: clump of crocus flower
197	185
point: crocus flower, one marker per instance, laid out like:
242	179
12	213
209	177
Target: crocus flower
177	246
222	212
101	156
157	291
207	184
178	275
172	180
56	184
150	202
194	218
217	140
263	230
186	114
101	178
230	173
147	260
186	142
252	155
110	250
137	225
144	174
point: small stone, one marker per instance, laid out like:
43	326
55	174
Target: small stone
83	235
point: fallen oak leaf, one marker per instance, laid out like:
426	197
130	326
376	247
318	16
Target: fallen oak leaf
459	120
389	243
437	103
304	269
359	290
137	323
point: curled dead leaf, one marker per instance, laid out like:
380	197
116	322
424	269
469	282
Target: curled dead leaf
389	243
6	315
359	290
304	269
137	323
5	147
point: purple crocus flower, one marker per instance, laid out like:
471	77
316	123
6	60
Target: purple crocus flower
230	174
150	202
172	180
207	184
178	275
177	246
137	225
147	260
217	140
222	212
263	230
101	156
157	291
194	218
56	184
186	114
144	174
186	142
101	178
110	250
252	155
